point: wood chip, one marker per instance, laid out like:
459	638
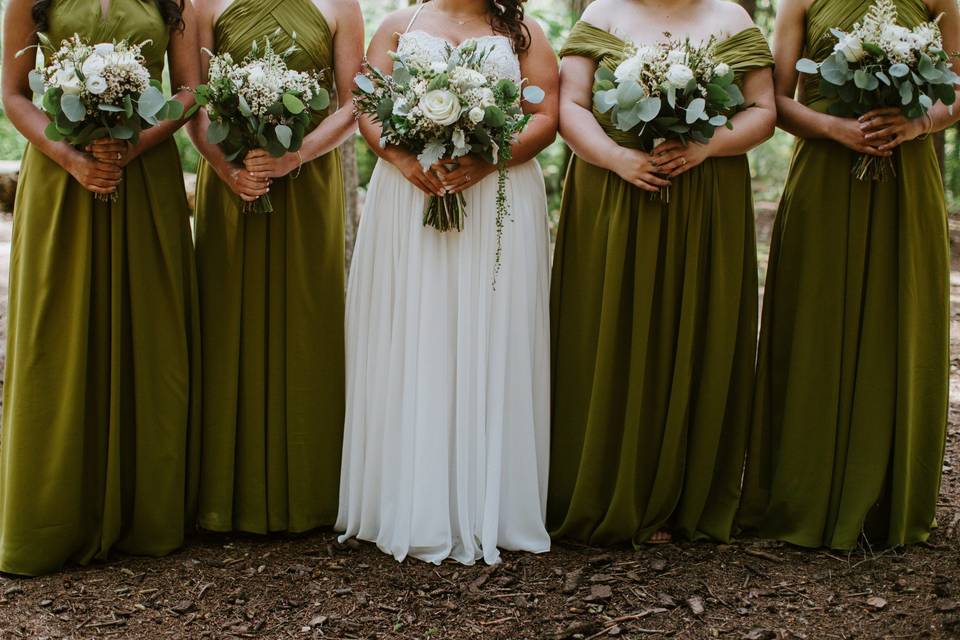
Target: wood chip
696	605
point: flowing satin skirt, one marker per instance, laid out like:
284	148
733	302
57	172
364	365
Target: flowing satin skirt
447	425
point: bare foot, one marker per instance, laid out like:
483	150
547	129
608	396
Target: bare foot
660	537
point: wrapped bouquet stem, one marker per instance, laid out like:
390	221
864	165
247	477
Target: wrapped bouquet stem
447	110
93	91
260	103
879	64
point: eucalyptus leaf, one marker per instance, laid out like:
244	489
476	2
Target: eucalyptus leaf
364	83
604	101
718	120
899	70
649	108
243	106
808	66
320	101
695	109
73	107
217	132
121	132
150	102
293	104
906	93
36	82
284	135
533	94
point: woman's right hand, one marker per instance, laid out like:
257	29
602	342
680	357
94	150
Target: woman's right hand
92	174
243	183
639	169
847	131
425	180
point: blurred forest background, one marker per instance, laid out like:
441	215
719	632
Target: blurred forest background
769	162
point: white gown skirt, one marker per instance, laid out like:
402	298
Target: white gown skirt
447	424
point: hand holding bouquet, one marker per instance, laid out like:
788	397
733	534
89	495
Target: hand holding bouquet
674	90
879	63
96	91
260	104
443	110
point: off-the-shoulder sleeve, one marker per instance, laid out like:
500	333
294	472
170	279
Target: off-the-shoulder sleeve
592	42
745	51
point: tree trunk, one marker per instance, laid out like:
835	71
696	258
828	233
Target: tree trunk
351	185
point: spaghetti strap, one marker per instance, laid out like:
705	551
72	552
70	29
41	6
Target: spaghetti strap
416	14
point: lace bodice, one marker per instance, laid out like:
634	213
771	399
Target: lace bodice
502	61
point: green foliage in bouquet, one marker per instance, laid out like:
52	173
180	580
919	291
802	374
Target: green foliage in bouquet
260	104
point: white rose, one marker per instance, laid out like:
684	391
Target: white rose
487	98
721	70
476	115
467	78
93	65
68	81
851	47
677	56
440	106
104	49
96	85
629	69
679	75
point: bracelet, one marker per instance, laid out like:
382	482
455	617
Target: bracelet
929	128
300	166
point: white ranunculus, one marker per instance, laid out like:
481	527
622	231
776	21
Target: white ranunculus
440	106
677	56
476	115
679	75
93	65
721	70
104	49
487	98
96	85
629	69
851	47
68	81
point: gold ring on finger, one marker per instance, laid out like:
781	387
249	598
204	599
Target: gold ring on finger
683	162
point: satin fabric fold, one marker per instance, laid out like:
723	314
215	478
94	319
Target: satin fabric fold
653	311
272	303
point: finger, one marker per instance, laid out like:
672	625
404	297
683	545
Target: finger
254	154
884	134
115	176
892	144
654	179
259	187
885	111
873	151
665	147
646	186
666	158
421	183
440	170
106	185
455	177
463	186
672	166
433	182
880	123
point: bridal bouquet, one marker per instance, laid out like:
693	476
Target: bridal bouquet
93	91
448	109
879	63
672	90
260	103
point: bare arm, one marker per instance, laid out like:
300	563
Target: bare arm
19	32
347	25
538	67
241	181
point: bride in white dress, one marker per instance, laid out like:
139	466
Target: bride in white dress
446	446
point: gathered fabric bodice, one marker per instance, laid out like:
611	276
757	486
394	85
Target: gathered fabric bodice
744	51
133	20
501	61
824	15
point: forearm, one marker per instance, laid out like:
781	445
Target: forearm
586	137
751	128
330	134
31	123
802	121
941	116
539	134
197	129
166	128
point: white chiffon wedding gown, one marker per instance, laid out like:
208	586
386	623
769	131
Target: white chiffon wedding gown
446	446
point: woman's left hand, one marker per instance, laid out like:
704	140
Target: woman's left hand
674	157
263	165
111	151
467	171
889	128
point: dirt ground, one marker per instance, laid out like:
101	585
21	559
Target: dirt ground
312	587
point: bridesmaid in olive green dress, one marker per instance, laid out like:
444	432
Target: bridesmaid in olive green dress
654	304
272	287
851	406
102	387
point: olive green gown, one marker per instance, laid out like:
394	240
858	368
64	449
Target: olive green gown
272	306
654	315
851	406
102	386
